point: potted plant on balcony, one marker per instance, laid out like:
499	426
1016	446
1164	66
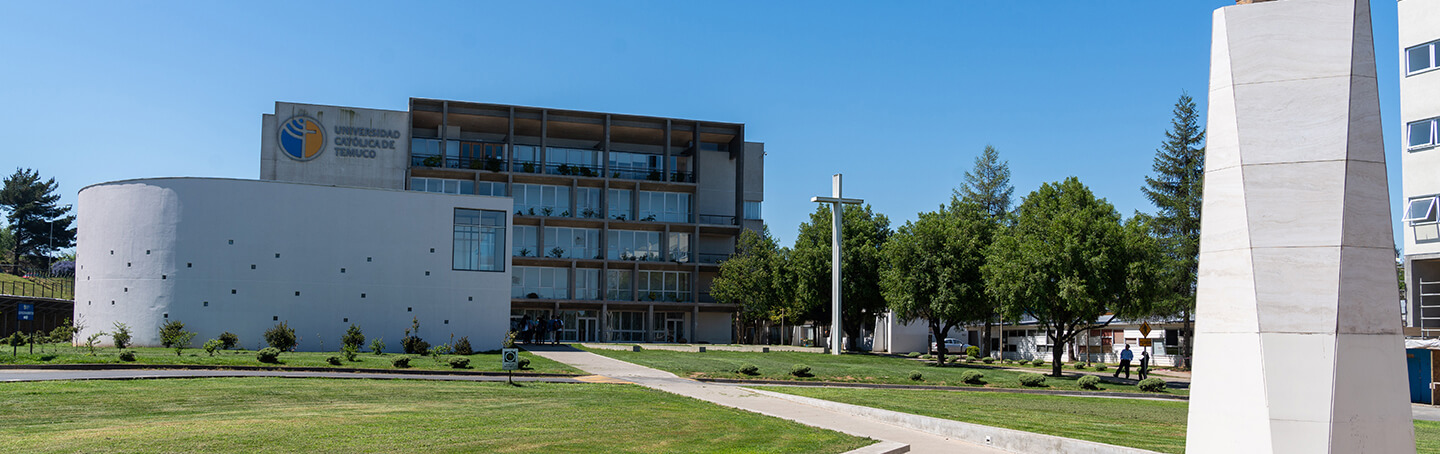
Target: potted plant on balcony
556	252
524	252
528	167
653	176
432	161
492	164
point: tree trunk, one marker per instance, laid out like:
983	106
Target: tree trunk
1188	343
985	337
1056	352
939	342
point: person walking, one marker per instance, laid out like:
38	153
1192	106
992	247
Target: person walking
542	324
557	325
1144	364
525	330
1125	357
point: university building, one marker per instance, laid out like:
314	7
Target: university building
464	217
1420	119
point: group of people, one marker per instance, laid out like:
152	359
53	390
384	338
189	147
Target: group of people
540	330
1126	356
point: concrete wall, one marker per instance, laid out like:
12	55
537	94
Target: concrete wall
375	157
715	184
231	255
715	328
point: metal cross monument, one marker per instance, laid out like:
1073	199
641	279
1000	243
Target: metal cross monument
835	201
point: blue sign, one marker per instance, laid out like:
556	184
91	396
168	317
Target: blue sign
27	311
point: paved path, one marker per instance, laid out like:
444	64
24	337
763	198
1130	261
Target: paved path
17	375
745	399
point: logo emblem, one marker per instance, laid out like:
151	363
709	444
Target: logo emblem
302	138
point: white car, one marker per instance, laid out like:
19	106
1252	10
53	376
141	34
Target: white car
952	345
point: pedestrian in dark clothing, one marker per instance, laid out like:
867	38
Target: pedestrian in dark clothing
1144	365
525	329
1125	357
557	327
540	330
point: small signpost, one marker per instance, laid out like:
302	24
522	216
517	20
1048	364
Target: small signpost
1144	329
1145	342
27	312
509	361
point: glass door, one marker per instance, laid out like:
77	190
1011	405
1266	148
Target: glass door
675	330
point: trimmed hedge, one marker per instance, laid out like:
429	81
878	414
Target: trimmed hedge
972	377
1032	380
1153	385
1089	382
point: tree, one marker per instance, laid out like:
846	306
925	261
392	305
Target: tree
1068	262
934	267
353	339
756	280
31	206
1176	189
863	233
988	186
281	337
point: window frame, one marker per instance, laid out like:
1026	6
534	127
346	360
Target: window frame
492	223
1429	218
1434	51
1434	132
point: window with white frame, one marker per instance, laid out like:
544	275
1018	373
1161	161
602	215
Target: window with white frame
442	185
540	282
664	206
1420	210
664	286
617	285
587	284
679	247
627	326
587	203
633	245
526	242
572	243
619	204
542	200
1422	58
1421	134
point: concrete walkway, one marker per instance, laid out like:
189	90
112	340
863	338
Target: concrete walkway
745	399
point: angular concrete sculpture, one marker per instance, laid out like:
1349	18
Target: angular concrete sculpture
1298	346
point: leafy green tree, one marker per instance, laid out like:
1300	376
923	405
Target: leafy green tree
862	234
170	331
121	335
1176	190
31	205
1068	261
281	337
353	338
934	267
756	280
7	244
987	186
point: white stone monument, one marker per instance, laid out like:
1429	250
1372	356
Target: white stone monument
1298	344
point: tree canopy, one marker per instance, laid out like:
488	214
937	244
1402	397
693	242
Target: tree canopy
30	206
1177	190
1068	261
933	269
987	186
863	233
756	280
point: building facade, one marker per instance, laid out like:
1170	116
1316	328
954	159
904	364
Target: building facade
1419	114
613	223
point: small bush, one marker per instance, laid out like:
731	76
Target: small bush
1152	385
462	346
349	354
970	359
915	375
1032	380
460	362
414	345
987	360
1038	362
524	363
127	356
800	370
1100	366
1089	382
927	356
748	369
281	337
121	336
170	331
333	360
228	340
972	351
1079	366
912	355
212	345
377	346
268	355
972	377
400	362
353	337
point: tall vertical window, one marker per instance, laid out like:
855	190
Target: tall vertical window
1420	210
587	284
633	245
1421	134
1422	58
619	201
526	242
679	247
587	202
664	286
479	240
542	200
572	243
526	159
664	206
752	211
627	326
540	282
617	285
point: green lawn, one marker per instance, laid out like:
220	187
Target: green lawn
1146	424
64	354
59	287
317	415
853	368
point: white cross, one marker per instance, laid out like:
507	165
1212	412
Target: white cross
835	201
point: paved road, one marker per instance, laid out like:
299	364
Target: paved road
42	375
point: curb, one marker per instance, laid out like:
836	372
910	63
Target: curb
1010	440
824	384
884	447
268	369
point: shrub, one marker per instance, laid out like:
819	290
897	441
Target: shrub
353	338
972	351
800	370
1089	382
1152	385
268	355
1100	366
748	369
333	360
1032	380
987	360
349	354
228	340
524	363
90	341
460	362
1038	362
916	375
281	337
377	346
462	346
970	359
972	377
400	362
170	331
121	335
212	345
412	343
1079	366
927	356
127	356
912	355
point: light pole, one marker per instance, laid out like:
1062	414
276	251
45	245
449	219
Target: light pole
835	202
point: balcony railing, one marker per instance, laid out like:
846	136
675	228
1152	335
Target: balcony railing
574	169
713	259
715	219
528	166
491	164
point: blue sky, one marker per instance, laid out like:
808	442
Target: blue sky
899	97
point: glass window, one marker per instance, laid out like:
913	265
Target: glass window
752	210
1420	210
664	206
527	158
542	200
425	147
620	205
679	247
441	185
540	282
572	243
572	161
633	245
627	326
617	285
587	202
1420	134
1420	58
479	239
587	284
671	286
491	188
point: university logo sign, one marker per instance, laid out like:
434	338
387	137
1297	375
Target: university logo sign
302	138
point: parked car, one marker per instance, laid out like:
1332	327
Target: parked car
952	345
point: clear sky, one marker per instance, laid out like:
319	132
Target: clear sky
899	97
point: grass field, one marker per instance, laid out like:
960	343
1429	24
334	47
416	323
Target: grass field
1146	424
64	354
853	368
61	288
316	415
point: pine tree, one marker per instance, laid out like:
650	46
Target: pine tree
987	186
1176	190
31	206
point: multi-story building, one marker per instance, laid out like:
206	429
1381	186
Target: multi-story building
1419	115
616	225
